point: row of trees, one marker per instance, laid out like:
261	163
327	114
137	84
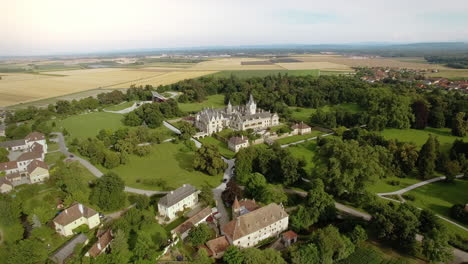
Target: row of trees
152	114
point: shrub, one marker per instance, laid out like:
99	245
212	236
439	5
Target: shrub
394	183
409	197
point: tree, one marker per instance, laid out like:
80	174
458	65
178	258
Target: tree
199	234
28	251
421	114
3	155
231	192
206	196
405	156
306	253
267	256
208	159
331	245
132	119
233	256
202	257
358	235
460	125
141	202
108	192
435	246
428	221
111	159
186	130
427	158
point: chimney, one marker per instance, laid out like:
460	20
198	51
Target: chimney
80	206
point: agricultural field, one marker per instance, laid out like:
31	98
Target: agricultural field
168	162
419	137
215	101
451	74
164	78
440	196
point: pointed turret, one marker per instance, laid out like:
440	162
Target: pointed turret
229	108
235	204
251	105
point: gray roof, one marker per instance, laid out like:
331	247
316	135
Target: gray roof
12	143
67	250
177	195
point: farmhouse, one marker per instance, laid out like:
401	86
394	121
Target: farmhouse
301	129
239	117
236	143
178	200
73	217
250	227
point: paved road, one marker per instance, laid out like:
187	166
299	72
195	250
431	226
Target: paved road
304	140
95	171
417	185
129	109
219	190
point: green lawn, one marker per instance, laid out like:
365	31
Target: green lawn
383	186
372	254
305	151
53	157
119	107
222	146
419	137
52	146
292	139
167	161
440	196
263	73
215	101
88	125
303	114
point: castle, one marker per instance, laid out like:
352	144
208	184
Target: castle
238	117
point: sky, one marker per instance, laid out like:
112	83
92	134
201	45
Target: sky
33	27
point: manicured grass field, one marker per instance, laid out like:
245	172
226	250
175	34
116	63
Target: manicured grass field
222	146
52	158
440	196
88	125
167	161
383	186
296	138
303	114
419	137
263	73
119	107
215	101
52	146
305	151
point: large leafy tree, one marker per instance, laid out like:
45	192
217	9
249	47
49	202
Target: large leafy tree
208	159
108	192
3	155
29	251
306	253
332	246
232	191
460	125
346	167
435	246
421	114
267	256
199	234
405	156
233	255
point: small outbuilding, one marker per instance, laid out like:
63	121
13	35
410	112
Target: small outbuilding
301	129
236	143
289	238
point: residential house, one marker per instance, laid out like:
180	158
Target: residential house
38	171
101	245
251	227
75	216
301	129
236	143
183	229
66	251
178	200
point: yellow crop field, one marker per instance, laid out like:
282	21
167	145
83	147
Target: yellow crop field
233	64
167	78
321	65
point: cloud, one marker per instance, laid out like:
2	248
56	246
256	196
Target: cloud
305	17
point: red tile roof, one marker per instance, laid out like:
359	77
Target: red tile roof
35	136
218	245
29	156
289	235
9	165
35	164
36	147
103	241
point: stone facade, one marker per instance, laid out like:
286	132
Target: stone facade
239	117
236	143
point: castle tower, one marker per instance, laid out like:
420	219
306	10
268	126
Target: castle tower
251	105
229	108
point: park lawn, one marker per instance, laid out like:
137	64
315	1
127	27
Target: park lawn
215	101
120	106
88	125
383	186
296	138
222	146
305	151
303	113
419	137
52	146
167	161
439	197
263	73
52	158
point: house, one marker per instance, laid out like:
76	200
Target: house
38	171
240	117
158	98
66	251
26	143
5	185
236	143
288	238
247	230
177	201
9	167
101	245
301	129
183	229
75	216
218	246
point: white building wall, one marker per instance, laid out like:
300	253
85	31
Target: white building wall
171	212
254	238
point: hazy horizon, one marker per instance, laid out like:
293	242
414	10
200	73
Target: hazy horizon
60	27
